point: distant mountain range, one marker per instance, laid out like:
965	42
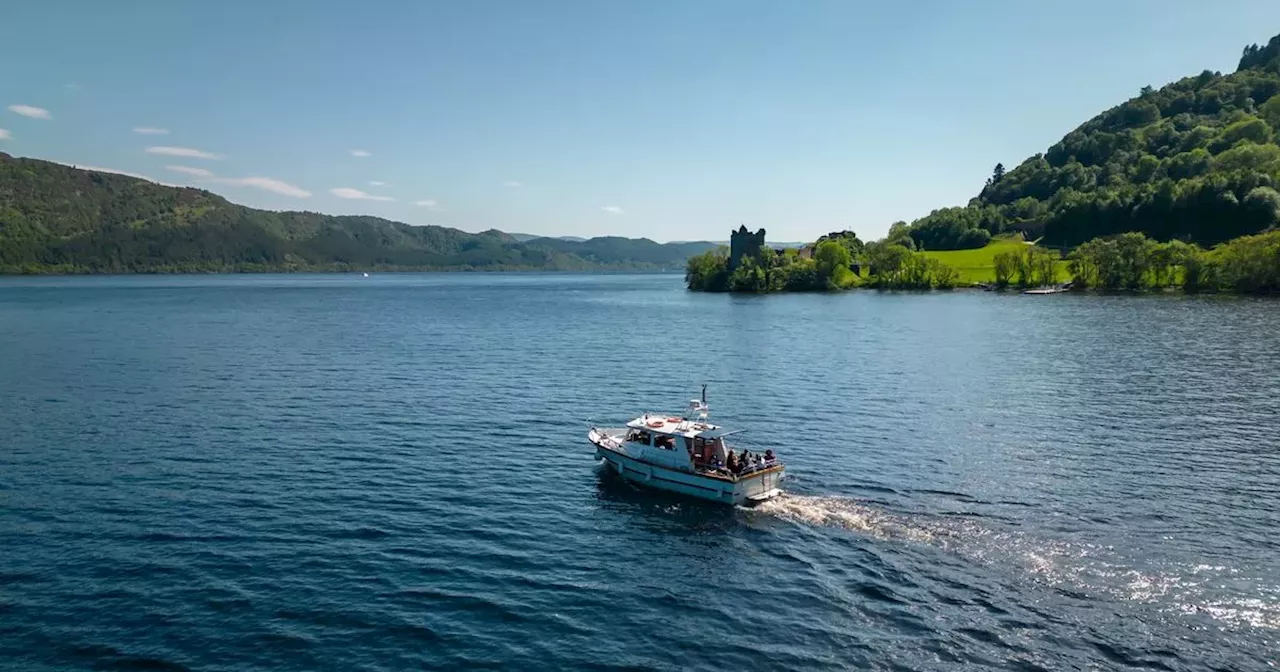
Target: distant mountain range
526	237
60	219
725	243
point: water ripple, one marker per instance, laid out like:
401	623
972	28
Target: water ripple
303	472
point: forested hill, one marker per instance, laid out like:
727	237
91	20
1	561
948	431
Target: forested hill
56	218
1196	160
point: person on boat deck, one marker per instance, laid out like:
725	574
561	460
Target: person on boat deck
768	455
731	463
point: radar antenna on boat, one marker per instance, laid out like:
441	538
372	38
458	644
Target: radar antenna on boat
698	409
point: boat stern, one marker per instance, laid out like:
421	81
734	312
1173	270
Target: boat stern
760	486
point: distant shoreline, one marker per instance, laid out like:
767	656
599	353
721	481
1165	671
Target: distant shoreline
315	271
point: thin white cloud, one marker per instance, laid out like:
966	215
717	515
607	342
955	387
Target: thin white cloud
513	184
612	209
5	135
72	87
360	153
264	183
183	151
348	192
428	203
149	130
191	171
29	111
376	183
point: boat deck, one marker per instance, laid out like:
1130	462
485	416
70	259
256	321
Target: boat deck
672	424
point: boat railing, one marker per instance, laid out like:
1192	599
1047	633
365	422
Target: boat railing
766	464
747	471
606	439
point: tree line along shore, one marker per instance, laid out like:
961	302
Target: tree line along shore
1175	187
1124	262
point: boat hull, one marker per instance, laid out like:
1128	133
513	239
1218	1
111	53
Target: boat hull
745	490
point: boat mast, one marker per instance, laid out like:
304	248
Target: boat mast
698	408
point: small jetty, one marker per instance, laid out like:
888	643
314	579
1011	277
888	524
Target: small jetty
1052	289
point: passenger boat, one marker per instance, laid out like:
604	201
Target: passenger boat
688	455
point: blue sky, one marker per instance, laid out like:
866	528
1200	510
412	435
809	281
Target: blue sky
669	119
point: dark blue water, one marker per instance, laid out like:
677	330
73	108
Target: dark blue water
333	472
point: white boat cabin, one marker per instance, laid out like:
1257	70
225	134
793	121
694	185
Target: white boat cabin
687	443
677	442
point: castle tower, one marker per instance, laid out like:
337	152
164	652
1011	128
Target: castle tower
743	243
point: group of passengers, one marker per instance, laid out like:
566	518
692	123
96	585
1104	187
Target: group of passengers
745	463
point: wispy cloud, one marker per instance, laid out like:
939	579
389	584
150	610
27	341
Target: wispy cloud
428	203
360	153
612	209
376	183
265	184
183	151
348	192
72	87
149	130
29	111
191	171
4	135
513	184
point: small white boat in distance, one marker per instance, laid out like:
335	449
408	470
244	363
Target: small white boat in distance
688	455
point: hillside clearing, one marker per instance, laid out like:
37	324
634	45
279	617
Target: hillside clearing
978	265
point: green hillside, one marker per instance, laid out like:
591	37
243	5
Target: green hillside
56	218
1196	160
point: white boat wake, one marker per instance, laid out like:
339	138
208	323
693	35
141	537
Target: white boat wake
1093	569
844	513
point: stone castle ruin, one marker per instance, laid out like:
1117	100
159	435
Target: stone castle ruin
743	243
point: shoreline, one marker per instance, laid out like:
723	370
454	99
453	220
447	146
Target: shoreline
1168	291
371	271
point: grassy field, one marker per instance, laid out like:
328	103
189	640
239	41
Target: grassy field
977	265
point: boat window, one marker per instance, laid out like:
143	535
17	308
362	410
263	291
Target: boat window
706	446
665	442
640	437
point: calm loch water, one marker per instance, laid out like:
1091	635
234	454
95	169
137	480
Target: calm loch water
335	472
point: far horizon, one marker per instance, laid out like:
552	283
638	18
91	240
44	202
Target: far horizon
550	120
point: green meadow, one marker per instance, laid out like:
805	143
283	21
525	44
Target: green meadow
978	265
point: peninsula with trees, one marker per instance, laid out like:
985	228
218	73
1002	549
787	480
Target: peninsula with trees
1176	187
